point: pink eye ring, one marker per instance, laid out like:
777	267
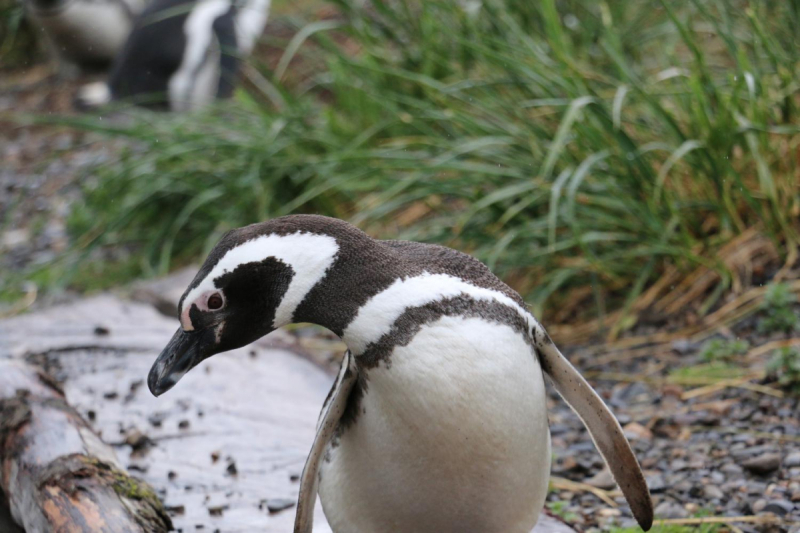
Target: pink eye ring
215	301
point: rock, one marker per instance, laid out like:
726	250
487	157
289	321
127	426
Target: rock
602	480
656	483
712	492
157	418
792	460
276	505
678	464
137	440
759	505
164	293
762	464
635	431
731	469
670	509
683	346
217	510
548	524
778	507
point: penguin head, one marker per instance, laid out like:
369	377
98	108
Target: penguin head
250	284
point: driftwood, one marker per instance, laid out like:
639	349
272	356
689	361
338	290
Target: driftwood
56	473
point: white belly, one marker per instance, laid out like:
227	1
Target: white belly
88	31
452	437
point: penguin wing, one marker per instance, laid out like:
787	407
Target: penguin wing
602	425
332	411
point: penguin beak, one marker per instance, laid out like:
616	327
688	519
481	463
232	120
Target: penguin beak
183	352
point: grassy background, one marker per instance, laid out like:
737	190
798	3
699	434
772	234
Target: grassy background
585	150
18	46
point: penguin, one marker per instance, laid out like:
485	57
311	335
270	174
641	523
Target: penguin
181	54
84	35
436	421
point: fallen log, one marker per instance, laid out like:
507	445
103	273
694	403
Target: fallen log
56	473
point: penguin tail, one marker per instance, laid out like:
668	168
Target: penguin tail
92	95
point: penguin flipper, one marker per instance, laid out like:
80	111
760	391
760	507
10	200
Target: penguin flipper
602	425
332	411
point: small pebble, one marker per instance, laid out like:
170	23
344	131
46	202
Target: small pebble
762	464
217	510
779	507
276	505
712	492
175	509
670	509
792	460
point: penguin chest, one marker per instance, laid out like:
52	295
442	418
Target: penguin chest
87	32
450	435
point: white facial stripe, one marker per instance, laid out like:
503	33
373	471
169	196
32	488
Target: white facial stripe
199	32
376	317
250	22
309	255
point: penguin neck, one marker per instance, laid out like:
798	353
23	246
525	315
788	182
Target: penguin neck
362	269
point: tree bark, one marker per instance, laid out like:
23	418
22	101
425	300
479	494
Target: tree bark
56	473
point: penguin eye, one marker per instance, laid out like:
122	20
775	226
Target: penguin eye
215	301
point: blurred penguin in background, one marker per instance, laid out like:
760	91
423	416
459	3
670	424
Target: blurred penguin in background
181	54
84	35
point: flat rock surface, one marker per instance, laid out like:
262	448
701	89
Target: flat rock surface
223	447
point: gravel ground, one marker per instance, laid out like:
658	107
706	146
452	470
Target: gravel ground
41	168
730	452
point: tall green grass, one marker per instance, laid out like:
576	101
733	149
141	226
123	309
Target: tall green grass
569	144
18	46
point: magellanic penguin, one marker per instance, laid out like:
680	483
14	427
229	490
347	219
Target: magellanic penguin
86	34
181	54
437	419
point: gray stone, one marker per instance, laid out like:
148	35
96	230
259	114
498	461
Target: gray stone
792	460
602	480
759	505
712	492
670	509
762	464
731	469
779	507
276	505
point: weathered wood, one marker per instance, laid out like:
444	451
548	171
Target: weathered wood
56	473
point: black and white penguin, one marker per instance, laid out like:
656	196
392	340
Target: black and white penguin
181	54
437	419
86	34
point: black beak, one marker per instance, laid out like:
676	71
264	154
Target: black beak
184	351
